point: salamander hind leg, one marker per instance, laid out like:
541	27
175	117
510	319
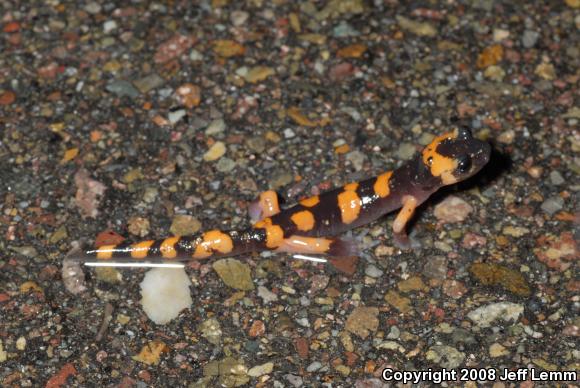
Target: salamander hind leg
328	246
342	253
267	205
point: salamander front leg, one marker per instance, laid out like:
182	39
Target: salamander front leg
265	206
400	236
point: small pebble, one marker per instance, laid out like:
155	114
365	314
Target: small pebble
405	151
363	321
149	82
294	380
552	205
546	71
500	34
260	370
225	165
176	115
394	333
383	250
21	343
109	25
93	8
210	329
314	366
138	226
184	224
238	18
507	137
281	179
506	311
151	194
267	295
289	133
344	29
417	28
530	38
215	127
445	356
497	350
122	88
357	159
535	171
555	177
373	271
452	209
195	56
216	151
495	73
26	251
256	144
436	268
234	274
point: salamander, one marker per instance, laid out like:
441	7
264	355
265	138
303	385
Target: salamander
314	224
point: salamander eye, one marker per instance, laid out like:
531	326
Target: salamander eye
464	133
463	163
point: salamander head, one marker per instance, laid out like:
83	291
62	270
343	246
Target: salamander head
455	156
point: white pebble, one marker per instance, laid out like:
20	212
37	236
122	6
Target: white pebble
109	26
164	293
289	133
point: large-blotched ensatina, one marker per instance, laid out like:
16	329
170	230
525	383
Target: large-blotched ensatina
311	226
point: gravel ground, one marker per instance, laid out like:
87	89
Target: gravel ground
142	119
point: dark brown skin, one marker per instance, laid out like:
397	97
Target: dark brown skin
310	226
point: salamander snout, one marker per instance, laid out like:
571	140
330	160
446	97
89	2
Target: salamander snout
470	153
456	156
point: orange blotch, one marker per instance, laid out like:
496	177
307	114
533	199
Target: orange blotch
105	252
303	220
213	240
167	247
351	186
439	165
140	249
274	233
202	251
381	186
349	203
311	201
220	241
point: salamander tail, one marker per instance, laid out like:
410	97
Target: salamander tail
213	243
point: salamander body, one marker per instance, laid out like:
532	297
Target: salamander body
312	225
